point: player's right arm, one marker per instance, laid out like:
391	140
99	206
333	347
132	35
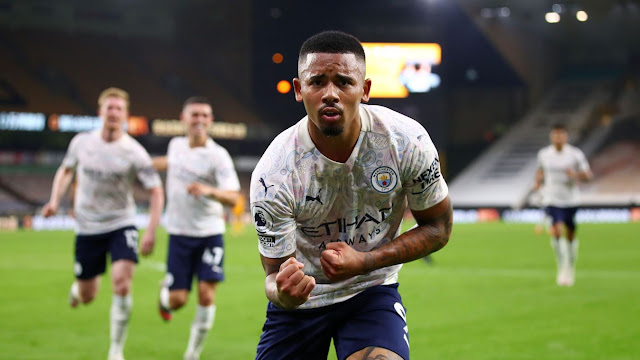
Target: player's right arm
64	174
286	285
61	182
539	177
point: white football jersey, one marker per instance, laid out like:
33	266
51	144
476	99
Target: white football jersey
105	173
560	190
211	165
301	200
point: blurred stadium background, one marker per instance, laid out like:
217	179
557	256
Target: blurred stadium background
508	70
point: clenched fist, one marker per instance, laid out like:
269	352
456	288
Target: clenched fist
340	261
292	284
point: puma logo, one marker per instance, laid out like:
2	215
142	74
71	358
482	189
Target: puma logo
266	188
317	198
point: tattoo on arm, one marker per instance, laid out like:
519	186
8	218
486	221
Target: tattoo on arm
430	236
380	354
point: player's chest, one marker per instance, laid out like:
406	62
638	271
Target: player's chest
107	160
342	189
559	162
192	165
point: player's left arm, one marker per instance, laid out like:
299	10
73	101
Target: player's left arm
156	204
582	171
581	175
340	261
225	197
148	176
227	189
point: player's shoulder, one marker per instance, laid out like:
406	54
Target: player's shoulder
288	137
86	135
546	150
272	166
403	132
212	146
392	123
283	143
574	149
384	116
178	141
85	139
131	144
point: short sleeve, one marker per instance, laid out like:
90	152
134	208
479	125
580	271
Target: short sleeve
540	164
273	217
71	157
144	169
226	176
422	176
583	164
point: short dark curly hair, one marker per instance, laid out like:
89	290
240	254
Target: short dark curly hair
196	100
332	42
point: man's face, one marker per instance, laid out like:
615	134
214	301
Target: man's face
332	86
197	118
113	112
558	137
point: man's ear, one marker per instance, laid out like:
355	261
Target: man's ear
297	89
367	89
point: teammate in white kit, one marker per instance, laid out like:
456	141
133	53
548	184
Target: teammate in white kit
560	168
106	162
201	179
327	198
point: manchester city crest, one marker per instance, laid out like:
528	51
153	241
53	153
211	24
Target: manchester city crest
384	179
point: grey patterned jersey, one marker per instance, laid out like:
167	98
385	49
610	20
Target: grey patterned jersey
301	200
105	173
210	165
560	190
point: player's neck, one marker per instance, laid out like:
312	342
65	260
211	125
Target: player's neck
111	135
558	147
197	141
337	148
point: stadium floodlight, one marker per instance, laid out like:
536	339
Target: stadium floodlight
283	86
582	16
552	17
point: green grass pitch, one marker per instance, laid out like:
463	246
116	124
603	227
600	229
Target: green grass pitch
490	294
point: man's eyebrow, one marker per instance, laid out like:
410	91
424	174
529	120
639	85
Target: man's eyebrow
345	78
317	77
340	77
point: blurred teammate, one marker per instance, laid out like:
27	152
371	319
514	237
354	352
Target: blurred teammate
106	162
560	168
327	198
201	179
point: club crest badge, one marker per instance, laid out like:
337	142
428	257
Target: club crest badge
384	179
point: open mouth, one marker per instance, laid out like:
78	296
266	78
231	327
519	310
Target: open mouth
330	114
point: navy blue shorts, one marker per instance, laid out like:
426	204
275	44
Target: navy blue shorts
375	317
91	251
189	256
563	215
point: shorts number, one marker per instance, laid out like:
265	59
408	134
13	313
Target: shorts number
131	236
213	257
217	255
403	314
